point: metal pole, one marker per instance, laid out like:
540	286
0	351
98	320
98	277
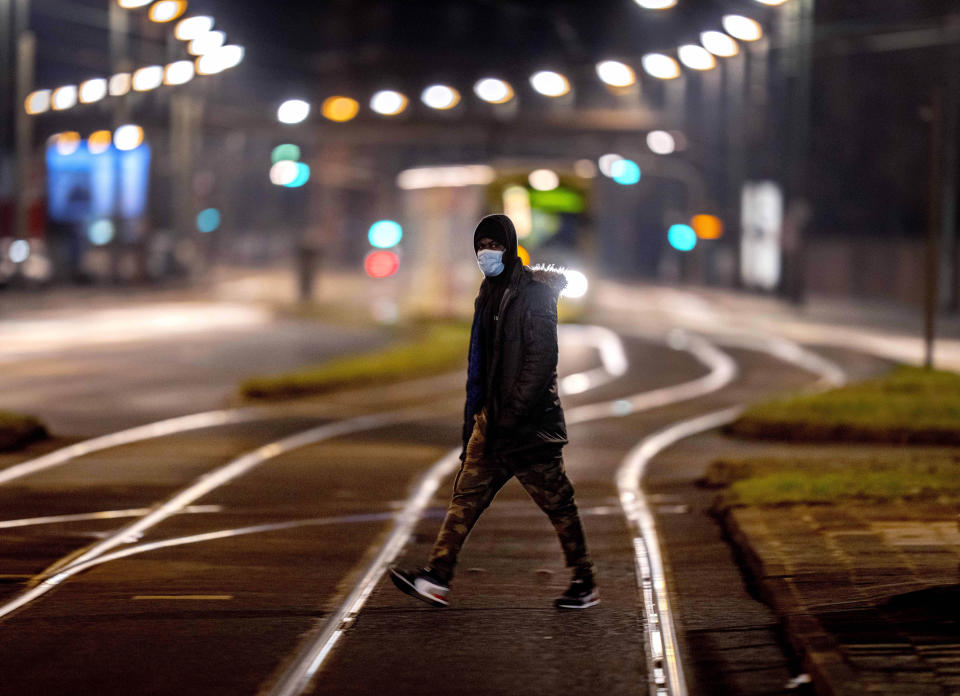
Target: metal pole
6	70
932	265
948	190
26	52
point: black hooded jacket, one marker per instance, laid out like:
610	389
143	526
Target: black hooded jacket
512	369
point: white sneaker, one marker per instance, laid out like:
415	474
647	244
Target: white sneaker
420	584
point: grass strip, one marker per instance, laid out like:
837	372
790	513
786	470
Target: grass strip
879	477
430	349
17	430
908	405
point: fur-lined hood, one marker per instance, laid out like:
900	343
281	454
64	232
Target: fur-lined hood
551	276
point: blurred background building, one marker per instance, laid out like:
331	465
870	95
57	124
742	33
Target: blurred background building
783	146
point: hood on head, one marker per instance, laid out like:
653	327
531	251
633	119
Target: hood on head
498	228
551	276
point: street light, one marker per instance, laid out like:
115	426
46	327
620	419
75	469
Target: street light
339	109
441	97
99	142
148	78
93	90
119	84
543	179
128	137
656	4
220	59
293	111
388	102
719	44
38	102
204	44
193	27
616	74
64	98
167	10
493	90
661	142
696	57
743	28
550	84
660	66
179	73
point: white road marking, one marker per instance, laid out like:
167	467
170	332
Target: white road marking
665	669
317	647
104	515
184	596
196	421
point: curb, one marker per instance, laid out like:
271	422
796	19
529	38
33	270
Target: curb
818	651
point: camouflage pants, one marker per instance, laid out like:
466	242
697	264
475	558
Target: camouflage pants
480	479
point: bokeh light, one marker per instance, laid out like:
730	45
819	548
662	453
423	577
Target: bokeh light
743	28
707	226
493	90
625	172
543	179
302	177
293	111
99	142
205	43
771	3
128	137
523	254
101	232
381	263
585	169
120	84
719	44
446	177
179	73
133	4
167	10
550	83
616	74
147	78
93	90
605	163
38	102
284	172
19	251
193	27
660	66
682	237
656	4
440	97
661	142
339	109
287	151
696	57
577	284
220	59
66	143
388	102
385	234
64	98
208	220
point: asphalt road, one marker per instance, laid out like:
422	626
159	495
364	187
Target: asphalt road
227	613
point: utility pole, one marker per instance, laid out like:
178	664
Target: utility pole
26	53
932	257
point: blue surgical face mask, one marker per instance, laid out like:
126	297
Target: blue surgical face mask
490	262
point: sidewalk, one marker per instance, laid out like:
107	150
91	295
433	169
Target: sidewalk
869	594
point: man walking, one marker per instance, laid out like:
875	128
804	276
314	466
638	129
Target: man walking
513	422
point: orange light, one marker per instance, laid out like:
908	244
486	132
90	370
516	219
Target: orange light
339	109
99	142
707	226
381	264
524	255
